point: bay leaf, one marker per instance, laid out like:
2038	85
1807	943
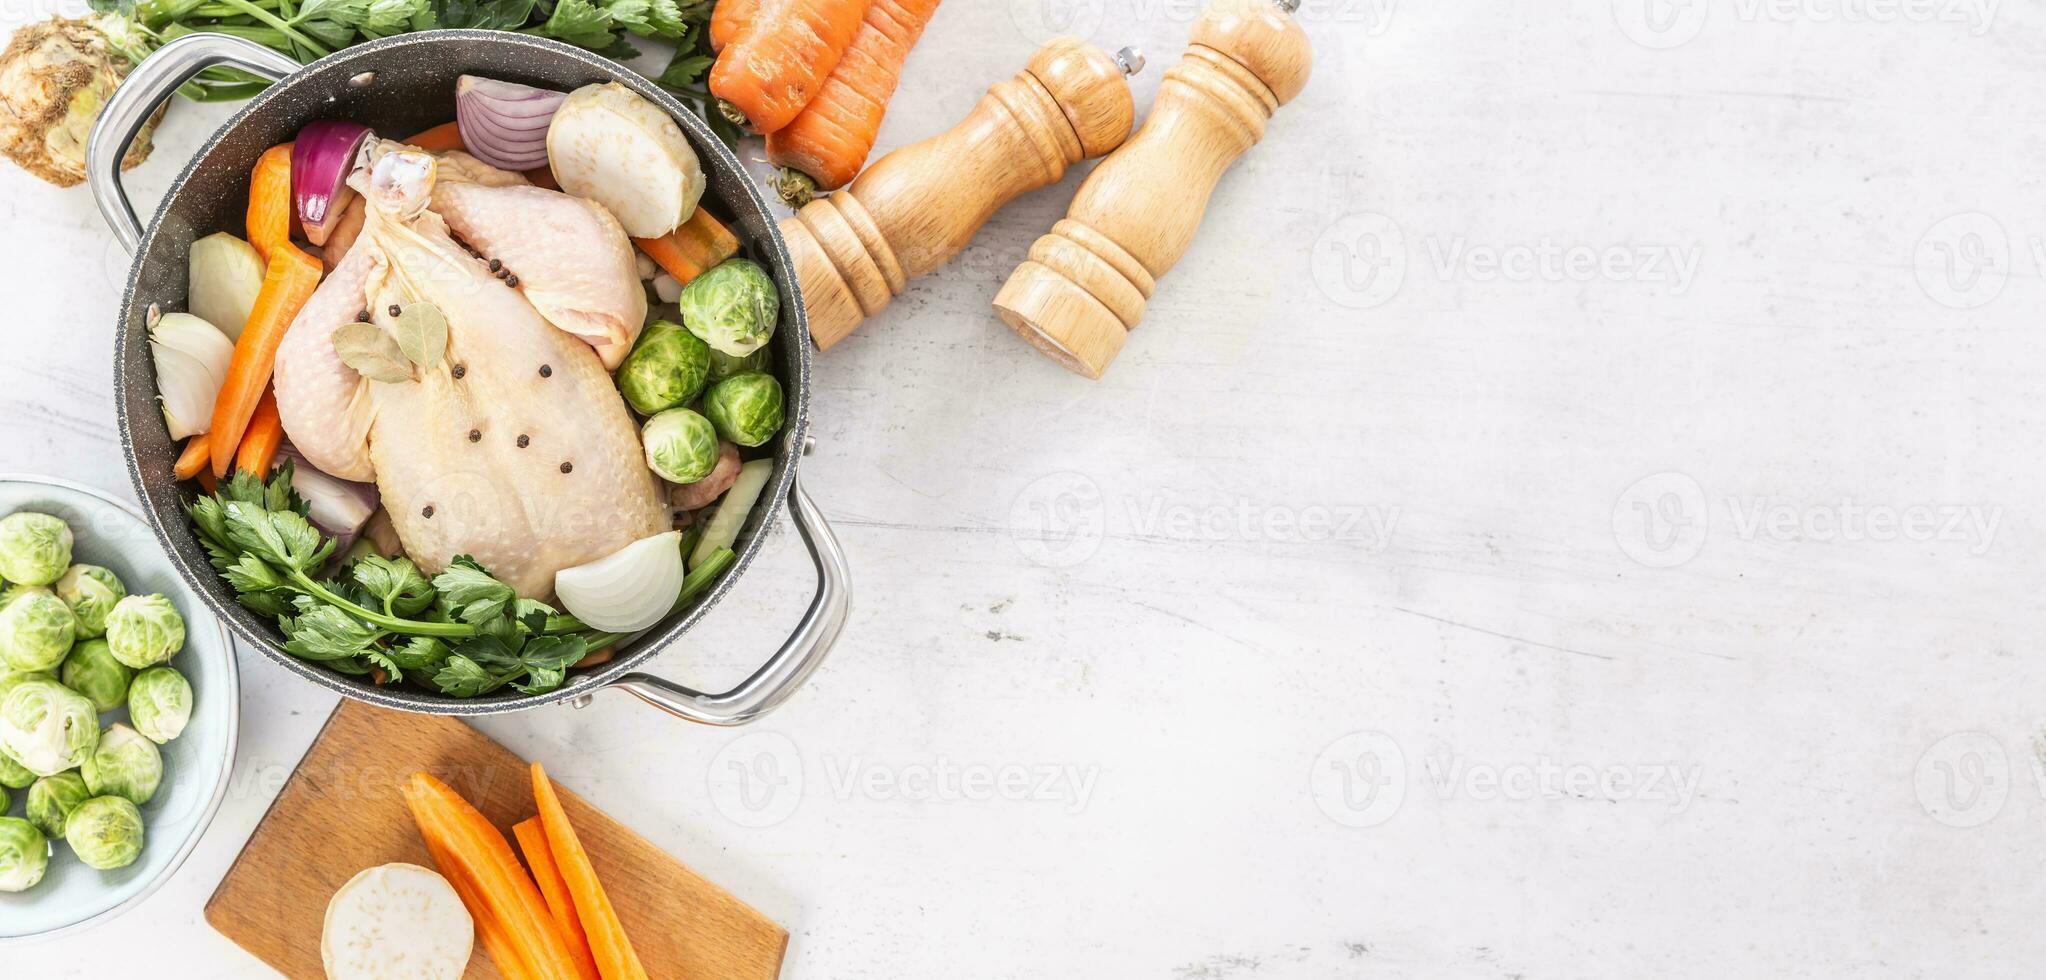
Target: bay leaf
423	334
371	352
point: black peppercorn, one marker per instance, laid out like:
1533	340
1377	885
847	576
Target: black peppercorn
475	435
568	467
546	370
362	317
512	281
525	441
495	265
461	369
428	512
394	311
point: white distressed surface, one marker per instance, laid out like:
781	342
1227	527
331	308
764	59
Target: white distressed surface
1490	618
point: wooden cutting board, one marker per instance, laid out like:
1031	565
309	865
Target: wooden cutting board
342	812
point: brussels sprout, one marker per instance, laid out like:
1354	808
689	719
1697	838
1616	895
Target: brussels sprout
124	764
10	678
36	630
105	832
24	855
91	670
34	548
47	727
733	307
746	408
52	799
665	369
12	775
145	630
723	365
160	703
91	592
681	446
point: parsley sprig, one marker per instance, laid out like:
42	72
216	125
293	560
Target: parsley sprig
461	632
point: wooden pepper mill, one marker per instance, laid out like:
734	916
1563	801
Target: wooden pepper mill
915	208
1085	284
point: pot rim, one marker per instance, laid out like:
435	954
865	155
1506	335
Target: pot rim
717	158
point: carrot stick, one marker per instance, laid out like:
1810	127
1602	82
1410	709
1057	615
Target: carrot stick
770	73
266	433
533	843
615	958
269	218
288	282
489	931
207	482
690	250
482	853
830	140
197	456
446	136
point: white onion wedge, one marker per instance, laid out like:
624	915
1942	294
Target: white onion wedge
225	276
628	590
191	357
610	146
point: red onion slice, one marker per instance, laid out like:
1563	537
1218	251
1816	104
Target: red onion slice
505	124
321	158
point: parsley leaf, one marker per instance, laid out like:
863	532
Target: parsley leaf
470	593
395	583
490	15
325	632
579	23
464	678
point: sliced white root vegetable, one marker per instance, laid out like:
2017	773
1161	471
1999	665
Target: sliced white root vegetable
396	921
667	288
647	268
225	276
724	525
191	357
610	146
628	590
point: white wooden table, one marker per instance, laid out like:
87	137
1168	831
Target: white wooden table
1573	513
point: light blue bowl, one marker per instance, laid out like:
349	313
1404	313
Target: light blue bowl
195	764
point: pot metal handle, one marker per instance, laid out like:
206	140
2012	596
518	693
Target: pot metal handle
137	99
783	673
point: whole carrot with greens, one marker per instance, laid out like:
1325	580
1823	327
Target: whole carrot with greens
825	146
766	76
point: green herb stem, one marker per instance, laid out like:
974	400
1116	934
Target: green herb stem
273	20
306	584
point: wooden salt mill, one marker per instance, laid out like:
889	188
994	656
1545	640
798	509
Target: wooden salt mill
915	208
1085	283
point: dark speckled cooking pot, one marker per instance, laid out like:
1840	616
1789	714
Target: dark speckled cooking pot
398	86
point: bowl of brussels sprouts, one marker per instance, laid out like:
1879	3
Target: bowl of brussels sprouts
117	711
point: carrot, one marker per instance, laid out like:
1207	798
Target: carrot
269	218
482	853
207	482
490	931
830	140
542	177
533	843
288	282
196	457
446	136
690	250
266	433
615	958
733	19
767	75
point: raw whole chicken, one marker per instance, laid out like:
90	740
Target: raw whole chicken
514	447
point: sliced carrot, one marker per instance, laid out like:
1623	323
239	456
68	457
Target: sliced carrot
269	217
830	140
543	177
446	136
690	250
496	942
769	73
196	456
265	435
482	853
533	843
288	281
206	480
615	958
